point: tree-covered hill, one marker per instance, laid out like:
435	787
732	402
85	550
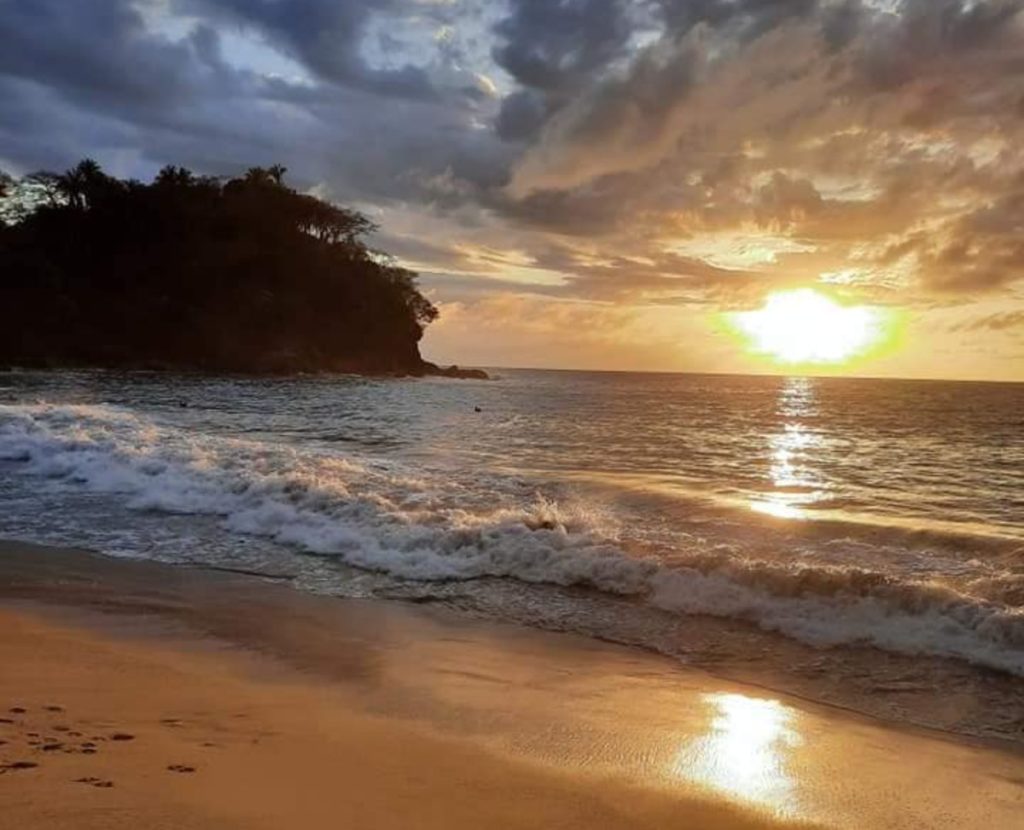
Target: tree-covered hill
193	272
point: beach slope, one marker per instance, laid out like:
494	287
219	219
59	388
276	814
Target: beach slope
139	695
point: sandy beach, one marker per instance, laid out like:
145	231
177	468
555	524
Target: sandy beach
135	694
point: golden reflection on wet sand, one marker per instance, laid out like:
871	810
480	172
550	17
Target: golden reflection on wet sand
746	752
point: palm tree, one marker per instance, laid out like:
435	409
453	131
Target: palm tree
83	183
175	176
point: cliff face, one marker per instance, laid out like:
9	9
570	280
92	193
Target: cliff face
198	274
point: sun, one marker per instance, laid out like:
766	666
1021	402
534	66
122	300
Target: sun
808	327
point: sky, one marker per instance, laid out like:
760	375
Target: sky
595	184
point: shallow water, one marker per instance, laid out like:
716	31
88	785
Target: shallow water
885	513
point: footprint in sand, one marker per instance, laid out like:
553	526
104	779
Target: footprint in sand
94	782
180	768
17	710
17	765
122	736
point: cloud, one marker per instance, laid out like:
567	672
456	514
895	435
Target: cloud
979	251
324	35
523	330
137	90
729	73
556	45
656	153
1000	321
522	115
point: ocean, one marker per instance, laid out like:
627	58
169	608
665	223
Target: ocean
882	517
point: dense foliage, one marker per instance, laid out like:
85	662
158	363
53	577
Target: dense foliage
197	273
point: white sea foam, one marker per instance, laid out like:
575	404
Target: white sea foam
417	525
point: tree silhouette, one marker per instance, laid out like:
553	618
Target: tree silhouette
195	272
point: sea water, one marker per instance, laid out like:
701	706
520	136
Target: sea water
834	512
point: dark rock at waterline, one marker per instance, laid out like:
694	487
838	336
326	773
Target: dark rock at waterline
408	366
454	372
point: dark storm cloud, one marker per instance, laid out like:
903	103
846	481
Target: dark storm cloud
98	54
553	49
590	136
556	49
90	78
898	47
324	35
95	78
556	45
522	114
750	18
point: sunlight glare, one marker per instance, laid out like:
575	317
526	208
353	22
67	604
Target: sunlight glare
806	326
746	751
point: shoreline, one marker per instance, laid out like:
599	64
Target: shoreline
940	695
426	369
577	732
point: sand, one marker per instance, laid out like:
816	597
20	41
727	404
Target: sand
183	740
152	696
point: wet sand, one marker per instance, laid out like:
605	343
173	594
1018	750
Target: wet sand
139	695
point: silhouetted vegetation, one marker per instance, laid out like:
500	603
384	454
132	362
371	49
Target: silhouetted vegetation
195	272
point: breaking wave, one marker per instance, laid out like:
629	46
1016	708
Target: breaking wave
417	524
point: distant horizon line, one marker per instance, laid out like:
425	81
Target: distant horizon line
561	369
495	367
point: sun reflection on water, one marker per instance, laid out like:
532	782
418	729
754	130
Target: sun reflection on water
746	751
794	485
774	507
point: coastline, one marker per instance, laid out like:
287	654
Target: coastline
423	369
380	714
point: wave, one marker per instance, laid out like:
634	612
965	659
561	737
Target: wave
415	524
